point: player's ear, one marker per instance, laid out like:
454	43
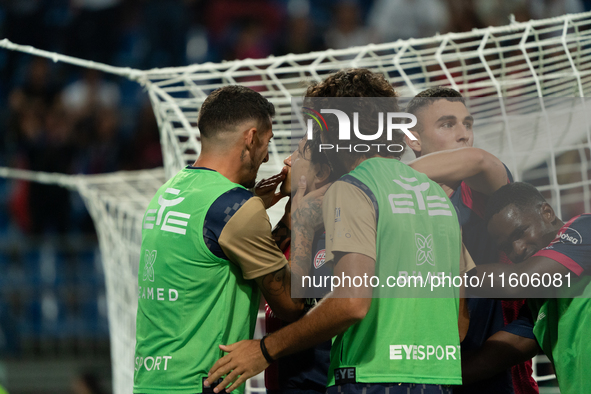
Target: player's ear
250	138
415	145
547	213
322	174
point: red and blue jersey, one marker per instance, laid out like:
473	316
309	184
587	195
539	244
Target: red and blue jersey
306	370
571	247
488	316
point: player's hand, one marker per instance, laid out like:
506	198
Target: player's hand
307	208
243	361
266	189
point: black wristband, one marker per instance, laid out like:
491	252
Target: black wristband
265	352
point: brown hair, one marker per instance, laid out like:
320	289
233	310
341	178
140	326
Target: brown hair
355	83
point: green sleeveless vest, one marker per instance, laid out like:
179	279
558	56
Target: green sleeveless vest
190	301
562	330
405	340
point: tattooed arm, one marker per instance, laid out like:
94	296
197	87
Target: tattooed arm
246	241
306	220
303	235
276	288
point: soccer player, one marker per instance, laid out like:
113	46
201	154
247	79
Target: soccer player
525	226
306	371
469	175
363	235
206	247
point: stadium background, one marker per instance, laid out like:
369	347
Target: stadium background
60	118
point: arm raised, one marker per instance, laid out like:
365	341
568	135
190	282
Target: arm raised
480	170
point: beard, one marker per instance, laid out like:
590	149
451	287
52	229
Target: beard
250	181
249	184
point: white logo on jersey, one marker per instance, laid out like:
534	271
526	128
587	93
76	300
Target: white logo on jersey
424	352
169	223
424	249
149	259
151	363
405	203
573	239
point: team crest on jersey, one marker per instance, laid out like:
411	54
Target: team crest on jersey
424	249
319	259
149	259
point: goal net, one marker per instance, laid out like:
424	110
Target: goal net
507	70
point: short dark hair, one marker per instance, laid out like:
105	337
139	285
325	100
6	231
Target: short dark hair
230	105
523	195
431	95
361	83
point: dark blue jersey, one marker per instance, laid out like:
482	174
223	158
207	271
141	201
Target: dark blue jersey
219	213
571	245
308	370
488	316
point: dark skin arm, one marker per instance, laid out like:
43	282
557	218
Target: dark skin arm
500	352
332	316
538	265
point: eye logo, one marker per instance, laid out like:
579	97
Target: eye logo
150	258
314	115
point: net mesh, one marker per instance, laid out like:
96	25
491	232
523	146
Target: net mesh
507	68
117	203
520	62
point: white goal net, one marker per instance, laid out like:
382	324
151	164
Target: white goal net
508	69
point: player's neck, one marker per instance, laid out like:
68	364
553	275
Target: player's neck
225	164
364	158
557	224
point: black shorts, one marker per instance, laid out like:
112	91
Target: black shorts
389	388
